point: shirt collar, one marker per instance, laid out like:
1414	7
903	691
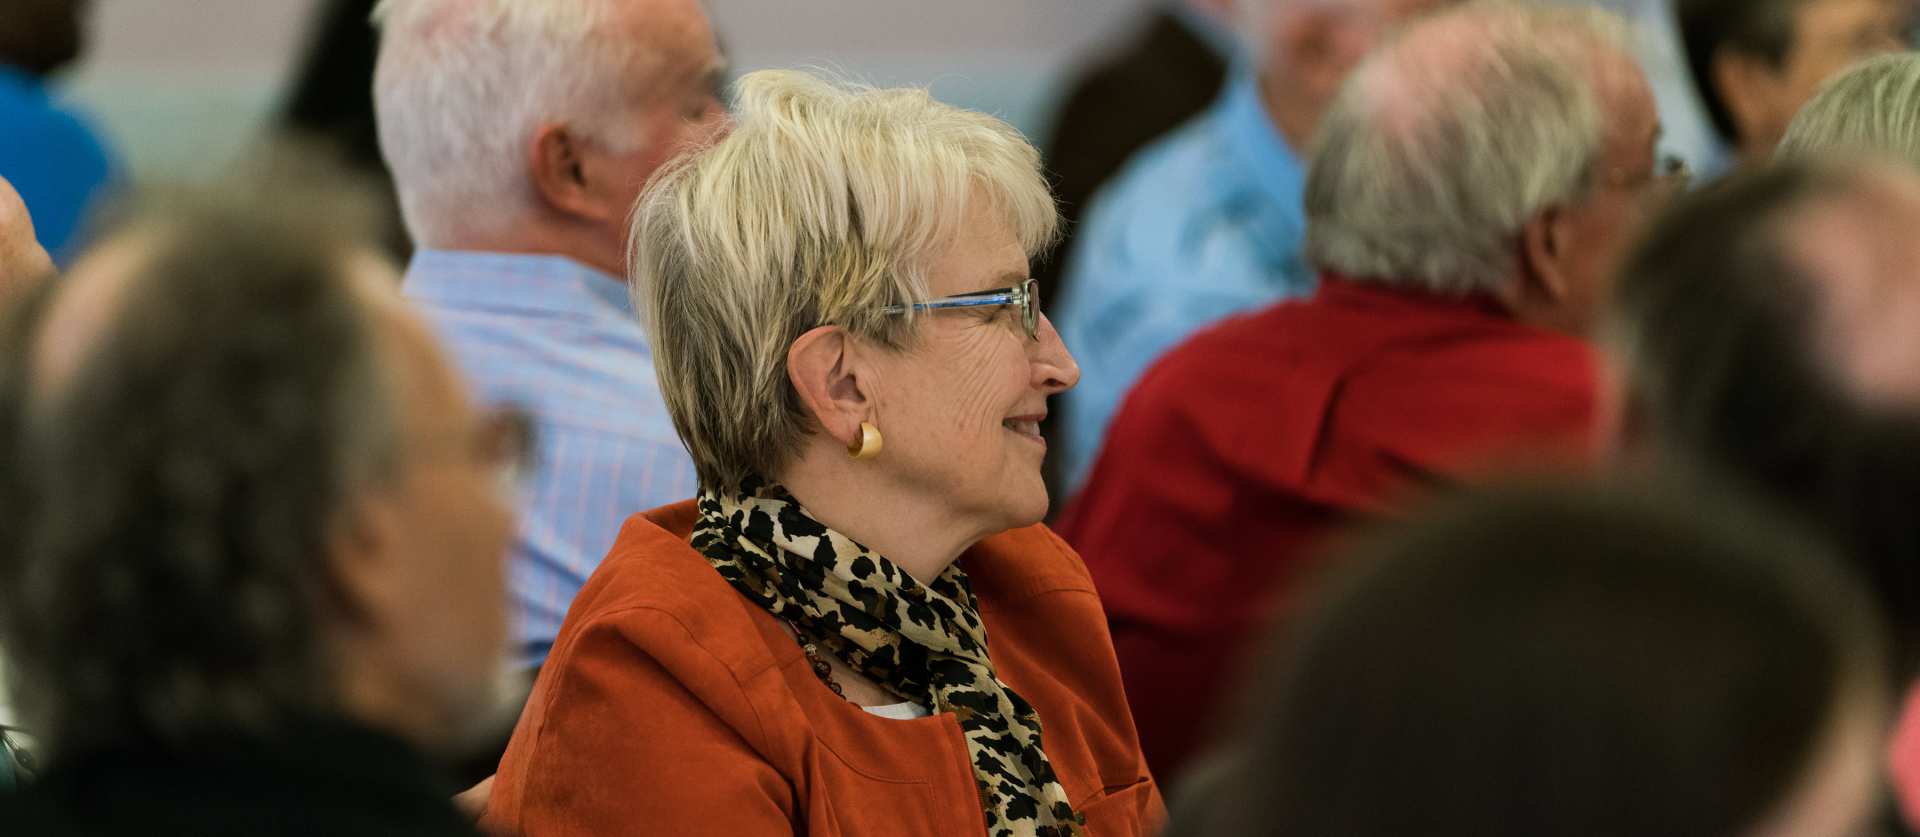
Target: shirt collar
521	281
1263	160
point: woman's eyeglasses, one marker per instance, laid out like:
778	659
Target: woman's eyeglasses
1025	295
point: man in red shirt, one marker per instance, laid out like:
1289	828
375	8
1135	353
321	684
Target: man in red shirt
1467	198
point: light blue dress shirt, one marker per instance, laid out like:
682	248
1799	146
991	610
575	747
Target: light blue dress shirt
1203	224
561	340
54	159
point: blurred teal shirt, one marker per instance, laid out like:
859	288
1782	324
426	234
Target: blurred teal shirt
1204	224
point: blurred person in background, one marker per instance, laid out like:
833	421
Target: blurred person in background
1207	222
1469	193
22	260
1765	331
55	158
1170	70
519	136
1755	62
854	353
257	534
1564	661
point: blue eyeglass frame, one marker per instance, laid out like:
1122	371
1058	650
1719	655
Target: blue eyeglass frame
1026	295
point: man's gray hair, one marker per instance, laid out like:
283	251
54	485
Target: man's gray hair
1448	139
1872	108
462	85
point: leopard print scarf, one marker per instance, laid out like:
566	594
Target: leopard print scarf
925	643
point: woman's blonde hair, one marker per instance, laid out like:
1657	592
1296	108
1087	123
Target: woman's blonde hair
824	206
1873	107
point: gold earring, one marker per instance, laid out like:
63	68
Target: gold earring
868	445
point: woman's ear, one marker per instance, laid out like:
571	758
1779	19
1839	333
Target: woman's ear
824	367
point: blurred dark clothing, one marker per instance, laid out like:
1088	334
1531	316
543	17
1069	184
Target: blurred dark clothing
1240	450
319	778
331	102
1165	75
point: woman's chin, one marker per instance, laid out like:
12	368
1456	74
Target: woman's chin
1027	503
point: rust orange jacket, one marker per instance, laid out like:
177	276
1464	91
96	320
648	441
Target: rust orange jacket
672	705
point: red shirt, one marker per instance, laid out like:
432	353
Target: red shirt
1243	447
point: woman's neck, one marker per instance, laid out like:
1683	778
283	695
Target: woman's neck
920	534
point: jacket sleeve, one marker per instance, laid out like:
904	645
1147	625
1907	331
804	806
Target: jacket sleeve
632	736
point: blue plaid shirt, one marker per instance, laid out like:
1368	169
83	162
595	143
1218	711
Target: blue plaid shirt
1203	224
560	339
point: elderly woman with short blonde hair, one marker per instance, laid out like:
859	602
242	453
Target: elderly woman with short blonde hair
859	627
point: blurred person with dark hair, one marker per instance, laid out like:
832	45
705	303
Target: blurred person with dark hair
1207	222
257	535
1766	330
519	135
1468	195
1546	661
55	158
1168	71
1755	62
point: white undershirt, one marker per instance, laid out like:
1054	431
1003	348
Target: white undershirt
898	711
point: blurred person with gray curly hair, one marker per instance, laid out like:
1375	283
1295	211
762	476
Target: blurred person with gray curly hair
257	531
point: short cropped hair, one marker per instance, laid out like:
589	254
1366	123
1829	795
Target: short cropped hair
1873	107
462	84
1713	322
1760	29
1446	141
824	206
168	499
1551	660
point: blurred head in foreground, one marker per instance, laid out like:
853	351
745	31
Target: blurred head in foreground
1768	330
1565	661
245	490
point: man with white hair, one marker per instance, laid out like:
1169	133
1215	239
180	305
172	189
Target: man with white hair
1467	195
1206	222
520	134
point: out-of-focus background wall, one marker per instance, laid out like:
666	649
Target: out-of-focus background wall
181	85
